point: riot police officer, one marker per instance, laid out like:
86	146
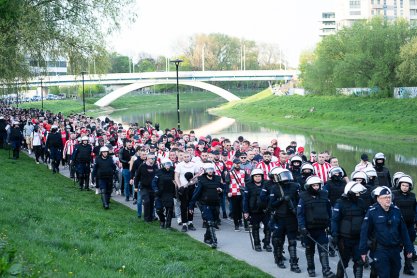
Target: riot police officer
306	170
164	188
103	170
385	227
347	218
405	200
207	192
313	214
254	209
335	185
283	198
295	168
82	161
383	175
54	144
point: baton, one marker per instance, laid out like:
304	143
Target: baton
250	236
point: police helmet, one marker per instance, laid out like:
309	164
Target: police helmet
54	128
257	171
370	172
307	166
104	149
359	175
336	170
166	162
378	156
84	138
296	158
313	180
380	190
279	174
405	179
395	178
208	167
354	187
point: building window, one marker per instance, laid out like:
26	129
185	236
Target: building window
355	12
412	2
355	4
413	12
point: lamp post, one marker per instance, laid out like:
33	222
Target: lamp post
41	79
177	63
17	95
83	73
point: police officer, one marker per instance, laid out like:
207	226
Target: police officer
383	175
143	181
295	168
207	193
347	218
54	144
335	185
283	198
82	161
103	170
362	178
164	188
306	170
384	225
254	209
405	200
313	214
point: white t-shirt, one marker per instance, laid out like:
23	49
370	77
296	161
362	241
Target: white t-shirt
183	168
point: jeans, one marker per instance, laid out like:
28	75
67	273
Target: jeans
139	204
126	180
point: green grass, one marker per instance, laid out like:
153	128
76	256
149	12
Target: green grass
58	231
357	117
66	106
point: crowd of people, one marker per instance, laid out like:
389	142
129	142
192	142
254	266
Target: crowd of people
306	198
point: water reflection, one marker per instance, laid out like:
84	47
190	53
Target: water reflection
399	157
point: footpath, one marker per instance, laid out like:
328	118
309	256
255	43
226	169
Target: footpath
238	245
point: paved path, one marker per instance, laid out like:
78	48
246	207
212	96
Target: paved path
237	244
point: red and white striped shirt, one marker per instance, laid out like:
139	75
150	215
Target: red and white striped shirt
322	170
237	180
231	155
266	168
219	168
69	147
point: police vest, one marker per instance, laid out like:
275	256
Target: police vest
351	218
105	167
209	194
336	189
255	203
382	177
315	210
83	154
285	209
406	203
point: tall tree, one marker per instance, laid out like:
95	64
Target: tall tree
46	29
407	70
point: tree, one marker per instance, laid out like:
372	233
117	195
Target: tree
119	63
47	29
407	70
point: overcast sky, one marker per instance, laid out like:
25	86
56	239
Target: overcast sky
162	24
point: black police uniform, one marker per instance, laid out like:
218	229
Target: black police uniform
54	144
164	189
82	161
313	214
144	177
283	198
207	193
347	218
253	204
103	175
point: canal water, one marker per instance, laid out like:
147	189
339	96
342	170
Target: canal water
400	156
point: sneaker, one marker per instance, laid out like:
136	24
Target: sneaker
97	191
37	162
191	227
30	152
179	221
135	202
237	229
184	228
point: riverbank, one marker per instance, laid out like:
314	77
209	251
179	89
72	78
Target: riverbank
58	231
355	117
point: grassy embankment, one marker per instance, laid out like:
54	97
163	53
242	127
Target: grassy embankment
357	117
58	231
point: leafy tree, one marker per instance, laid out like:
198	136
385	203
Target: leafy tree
119	63
407	70
41	30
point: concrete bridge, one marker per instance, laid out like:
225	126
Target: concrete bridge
134	81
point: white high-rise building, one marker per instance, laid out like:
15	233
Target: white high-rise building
349	11
327	24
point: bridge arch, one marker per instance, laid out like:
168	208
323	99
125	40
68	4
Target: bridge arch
109	98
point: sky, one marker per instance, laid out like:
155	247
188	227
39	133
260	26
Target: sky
163	25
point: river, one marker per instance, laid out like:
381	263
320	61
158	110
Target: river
399	156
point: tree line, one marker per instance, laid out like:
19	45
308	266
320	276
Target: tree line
377	54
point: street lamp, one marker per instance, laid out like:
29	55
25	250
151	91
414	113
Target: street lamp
83	73
41	79
177	63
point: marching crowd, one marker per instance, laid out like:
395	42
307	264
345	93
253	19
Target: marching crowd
368	217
